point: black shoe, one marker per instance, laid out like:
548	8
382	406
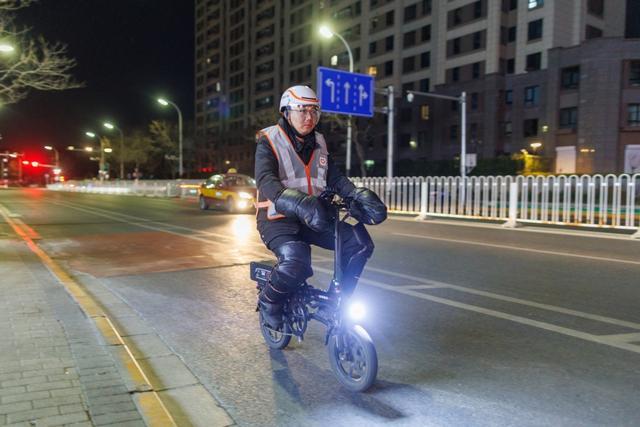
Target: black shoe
271	314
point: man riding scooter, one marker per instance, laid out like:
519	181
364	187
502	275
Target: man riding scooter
293	167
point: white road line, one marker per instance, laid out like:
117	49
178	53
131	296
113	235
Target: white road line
527	228
130	219
512	318
147	226
261	254
421	287
623	337
554	308
106	213
517	248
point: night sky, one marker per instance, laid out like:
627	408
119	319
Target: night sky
129	52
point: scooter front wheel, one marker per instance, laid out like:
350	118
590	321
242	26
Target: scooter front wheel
275	339
353	358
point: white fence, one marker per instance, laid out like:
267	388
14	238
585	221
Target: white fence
157	188
610	201
607	201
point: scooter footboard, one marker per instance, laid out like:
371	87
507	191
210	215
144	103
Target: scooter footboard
261	271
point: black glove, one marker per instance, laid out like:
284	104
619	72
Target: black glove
367	207
307	208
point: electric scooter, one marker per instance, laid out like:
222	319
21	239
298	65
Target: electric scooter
352	354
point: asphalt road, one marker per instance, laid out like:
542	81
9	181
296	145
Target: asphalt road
474	325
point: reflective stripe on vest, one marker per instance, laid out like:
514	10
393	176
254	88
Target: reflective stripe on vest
293	173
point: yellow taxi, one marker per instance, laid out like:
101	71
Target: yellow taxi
231	191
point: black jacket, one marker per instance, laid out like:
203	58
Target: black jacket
270	186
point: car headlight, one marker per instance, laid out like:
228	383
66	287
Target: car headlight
244	195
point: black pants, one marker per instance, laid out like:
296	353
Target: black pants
294	258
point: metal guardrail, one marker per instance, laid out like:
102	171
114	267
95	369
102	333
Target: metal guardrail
605	201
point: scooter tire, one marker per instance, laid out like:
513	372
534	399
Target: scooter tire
363	355
275	340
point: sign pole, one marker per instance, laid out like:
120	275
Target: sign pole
389	142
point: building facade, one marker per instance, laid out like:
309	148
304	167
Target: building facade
535	72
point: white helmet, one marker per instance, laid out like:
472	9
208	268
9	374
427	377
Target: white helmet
298	96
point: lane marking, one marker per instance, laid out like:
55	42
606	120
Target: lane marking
129	219
623	337
33	235
149	227
150	406
421	287
526	227
500	315
265	253
549	307
517	248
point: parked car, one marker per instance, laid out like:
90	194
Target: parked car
233	192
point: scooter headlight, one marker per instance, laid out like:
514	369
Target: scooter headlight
356	311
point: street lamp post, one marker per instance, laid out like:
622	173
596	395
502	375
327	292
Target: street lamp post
55	152
165	102
327	33
101	168
111	126
462	100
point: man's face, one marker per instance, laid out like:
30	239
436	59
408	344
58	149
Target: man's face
304	118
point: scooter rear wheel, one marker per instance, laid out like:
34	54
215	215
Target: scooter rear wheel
353	358
275	339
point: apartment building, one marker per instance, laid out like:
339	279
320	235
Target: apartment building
535	72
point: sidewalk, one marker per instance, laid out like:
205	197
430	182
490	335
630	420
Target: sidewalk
55	368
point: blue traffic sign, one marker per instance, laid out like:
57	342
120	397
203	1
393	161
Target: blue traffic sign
345	93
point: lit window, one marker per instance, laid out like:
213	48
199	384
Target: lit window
533	4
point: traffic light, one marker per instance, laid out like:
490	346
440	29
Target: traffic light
424	112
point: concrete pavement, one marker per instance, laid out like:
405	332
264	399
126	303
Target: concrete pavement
54	369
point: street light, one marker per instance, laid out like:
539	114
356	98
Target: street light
101	169
164	103
327	33
55	152
111	126
7	48
462	100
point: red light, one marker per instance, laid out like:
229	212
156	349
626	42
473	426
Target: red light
25	162
35	164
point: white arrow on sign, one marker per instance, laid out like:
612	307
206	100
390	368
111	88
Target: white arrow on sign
363	94
347	86
332	85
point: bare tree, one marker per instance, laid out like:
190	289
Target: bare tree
11	5
35	64
163	149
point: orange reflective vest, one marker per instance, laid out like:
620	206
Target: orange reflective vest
310	178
